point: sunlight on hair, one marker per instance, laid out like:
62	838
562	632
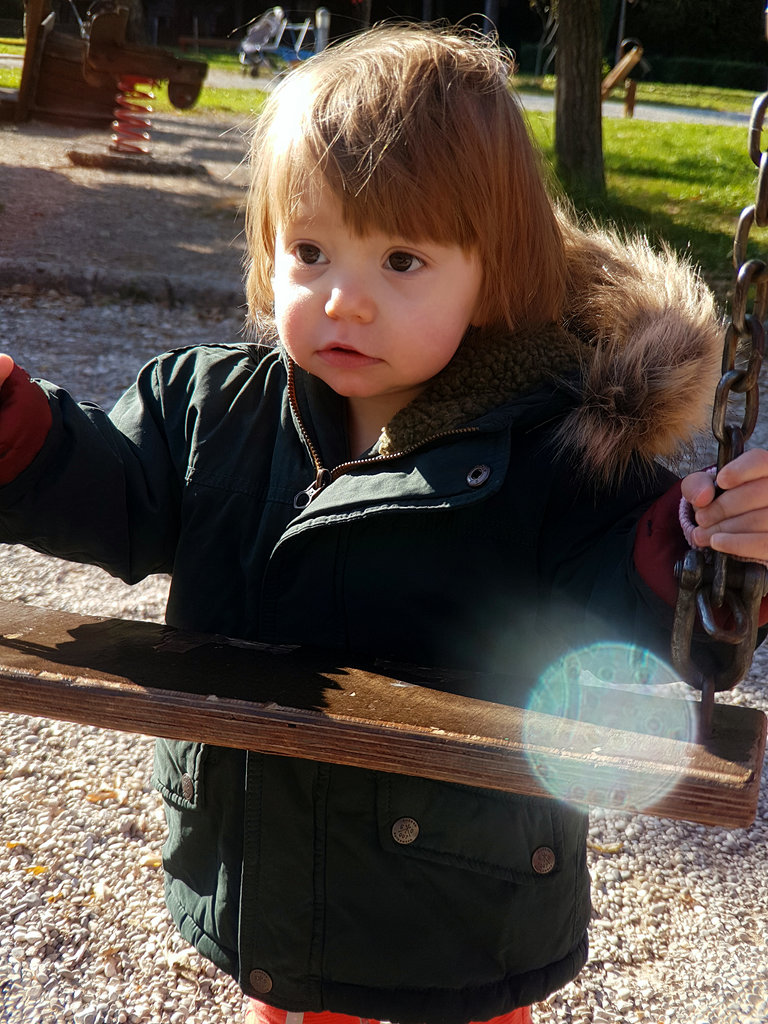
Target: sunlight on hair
622	688
294	94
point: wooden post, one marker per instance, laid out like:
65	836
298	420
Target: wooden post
39	22
629	98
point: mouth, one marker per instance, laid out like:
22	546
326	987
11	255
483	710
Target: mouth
345	356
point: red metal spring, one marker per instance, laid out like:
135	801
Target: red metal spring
131	127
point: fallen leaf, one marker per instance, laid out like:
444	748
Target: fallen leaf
610	848
101	795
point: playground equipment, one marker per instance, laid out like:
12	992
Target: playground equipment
631	54
272	39
147	678
80	79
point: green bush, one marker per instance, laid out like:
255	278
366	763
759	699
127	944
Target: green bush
726	74
526	58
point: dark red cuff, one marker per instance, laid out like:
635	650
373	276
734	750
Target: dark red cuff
660	543
25	419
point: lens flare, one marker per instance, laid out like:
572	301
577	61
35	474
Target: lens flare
608	725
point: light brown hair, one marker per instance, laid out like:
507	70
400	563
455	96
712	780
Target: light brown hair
416	132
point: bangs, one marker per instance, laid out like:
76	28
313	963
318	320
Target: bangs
389	197
394	164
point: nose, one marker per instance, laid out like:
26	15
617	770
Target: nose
350	300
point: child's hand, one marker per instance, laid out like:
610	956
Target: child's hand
736	522
6	367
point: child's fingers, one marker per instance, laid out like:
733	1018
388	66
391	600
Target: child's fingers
744	498
698	489
6	367
751	523
752	546
752	465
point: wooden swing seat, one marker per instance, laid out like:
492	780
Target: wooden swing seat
147	678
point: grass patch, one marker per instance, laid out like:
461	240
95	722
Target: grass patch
10	78
241	103
224	60
685	184
705	97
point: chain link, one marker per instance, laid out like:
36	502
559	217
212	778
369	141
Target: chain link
712	580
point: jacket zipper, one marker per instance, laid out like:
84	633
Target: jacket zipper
324	476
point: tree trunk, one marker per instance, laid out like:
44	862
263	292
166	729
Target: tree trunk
578	113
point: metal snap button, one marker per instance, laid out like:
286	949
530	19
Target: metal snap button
405	830
543	860
187	786
260	981
477	476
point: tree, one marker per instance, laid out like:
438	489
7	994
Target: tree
578	107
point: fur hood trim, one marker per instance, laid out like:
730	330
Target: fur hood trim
640	346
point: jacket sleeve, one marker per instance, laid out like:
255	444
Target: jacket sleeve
588	535
25	419
617	580
101	489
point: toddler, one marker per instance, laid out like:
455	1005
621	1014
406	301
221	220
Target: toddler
440	446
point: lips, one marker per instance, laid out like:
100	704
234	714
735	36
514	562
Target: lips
346	357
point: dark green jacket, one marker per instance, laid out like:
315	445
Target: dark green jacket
475	541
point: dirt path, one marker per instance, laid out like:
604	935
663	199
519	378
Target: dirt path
158	235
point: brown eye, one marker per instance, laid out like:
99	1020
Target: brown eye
308	253
402	261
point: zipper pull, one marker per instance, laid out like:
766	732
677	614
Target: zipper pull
320	482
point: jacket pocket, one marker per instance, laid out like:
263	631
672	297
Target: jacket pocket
179	771
519	839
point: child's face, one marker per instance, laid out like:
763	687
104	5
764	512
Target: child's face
375	317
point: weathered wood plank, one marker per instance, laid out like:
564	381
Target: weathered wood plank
145	678
40	21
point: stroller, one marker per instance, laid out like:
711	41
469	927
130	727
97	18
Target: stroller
272	40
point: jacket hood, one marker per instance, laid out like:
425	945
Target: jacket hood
639	349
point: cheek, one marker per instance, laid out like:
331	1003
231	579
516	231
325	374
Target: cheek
293	314
282	294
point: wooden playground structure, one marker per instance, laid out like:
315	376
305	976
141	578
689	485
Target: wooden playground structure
80	79
632	54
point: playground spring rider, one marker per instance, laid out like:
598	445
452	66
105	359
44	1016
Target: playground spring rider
134	71
132	125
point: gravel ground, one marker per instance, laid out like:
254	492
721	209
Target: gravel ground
84	934
680	926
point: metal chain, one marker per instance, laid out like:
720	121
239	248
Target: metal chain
712	580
